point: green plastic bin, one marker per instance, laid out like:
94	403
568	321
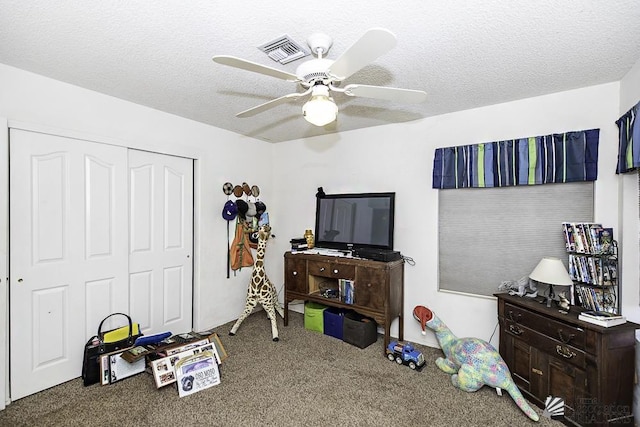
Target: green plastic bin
314	316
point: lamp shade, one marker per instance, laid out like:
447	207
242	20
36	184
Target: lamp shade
551	271
320	110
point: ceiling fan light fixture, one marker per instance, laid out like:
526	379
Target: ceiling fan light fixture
320	110
320	76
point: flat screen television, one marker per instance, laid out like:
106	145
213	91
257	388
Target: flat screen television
352	221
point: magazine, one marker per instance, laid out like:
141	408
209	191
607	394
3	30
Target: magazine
602	318
601	315
164	369
197	372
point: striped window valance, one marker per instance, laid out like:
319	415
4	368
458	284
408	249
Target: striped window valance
564	157
629	141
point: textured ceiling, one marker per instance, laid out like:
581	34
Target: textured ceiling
464	54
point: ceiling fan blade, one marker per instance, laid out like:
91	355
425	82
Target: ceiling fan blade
270	104
373	44
387	93
254	67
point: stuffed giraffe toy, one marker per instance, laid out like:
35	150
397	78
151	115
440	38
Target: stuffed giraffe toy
472	362
261	290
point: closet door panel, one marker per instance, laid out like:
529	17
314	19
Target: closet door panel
68	245
161	241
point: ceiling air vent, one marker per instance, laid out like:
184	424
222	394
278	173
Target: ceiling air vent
284	49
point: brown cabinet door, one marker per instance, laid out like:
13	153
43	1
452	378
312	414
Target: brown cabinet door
370	288
524	375
295	275
562	380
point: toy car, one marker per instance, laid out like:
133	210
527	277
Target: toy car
405	354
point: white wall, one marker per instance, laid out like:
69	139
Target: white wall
630	224
400	158
630	88
630	96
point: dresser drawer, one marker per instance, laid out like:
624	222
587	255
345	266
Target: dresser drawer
331	269
546	344
564	333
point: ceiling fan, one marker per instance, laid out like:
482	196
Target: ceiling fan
320	76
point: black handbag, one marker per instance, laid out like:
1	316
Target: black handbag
96	347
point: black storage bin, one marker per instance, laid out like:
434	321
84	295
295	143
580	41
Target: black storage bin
359	330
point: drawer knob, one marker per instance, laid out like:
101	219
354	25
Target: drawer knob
335	271
515	330
565	352
321	268
295	273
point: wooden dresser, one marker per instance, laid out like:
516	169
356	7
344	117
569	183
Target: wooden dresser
378	286
553	354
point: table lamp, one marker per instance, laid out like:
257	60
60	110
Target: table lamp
551	271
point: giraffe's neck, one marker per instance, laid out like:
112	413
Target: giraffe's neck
262	245
258	269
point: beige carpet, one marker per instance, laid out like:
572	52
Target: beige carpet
305	379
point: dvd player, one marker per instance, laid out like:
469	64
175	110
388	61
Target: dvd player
384	255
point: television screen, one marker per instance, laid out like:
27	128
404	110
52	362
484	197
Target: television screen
347	221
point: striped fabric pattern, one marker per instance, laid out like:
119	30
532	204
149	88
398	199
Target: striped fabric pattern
629	141
564	157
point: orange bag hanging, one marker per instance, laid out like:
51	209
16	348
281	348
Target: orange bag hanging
240	251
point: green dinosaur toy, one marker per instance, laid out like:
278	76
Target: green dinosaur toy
472	362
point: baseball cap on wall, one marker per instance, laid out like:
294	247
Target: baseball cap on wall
251	210
260	208
243	207
229	211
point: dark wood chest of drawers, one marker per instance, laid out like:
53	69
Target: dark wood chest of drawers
556	355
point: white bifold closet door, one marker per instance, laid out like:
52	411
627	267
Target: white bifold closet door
74	211
161	241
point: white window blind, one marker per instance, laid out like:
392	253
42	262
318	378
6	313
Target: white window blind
487	235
